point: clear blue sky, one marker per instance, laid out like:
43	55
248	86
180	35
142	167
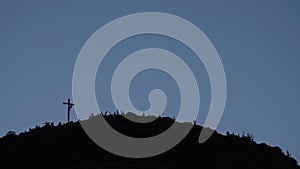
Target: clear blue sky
258	43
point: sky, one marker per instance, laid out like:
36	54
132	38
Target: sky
256	41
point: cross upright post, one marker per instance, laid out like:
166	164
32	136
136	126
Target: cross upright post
70	105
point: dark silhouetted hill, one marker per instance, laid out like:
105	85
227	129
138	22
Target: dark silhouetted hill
66	146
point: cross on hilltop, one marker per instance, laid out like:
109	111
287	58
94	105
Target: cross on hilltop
70	105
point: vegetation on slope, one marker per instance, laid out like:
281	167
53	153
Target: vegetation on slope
66	146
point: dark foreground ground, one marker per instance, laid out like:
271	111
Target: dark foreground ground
67	146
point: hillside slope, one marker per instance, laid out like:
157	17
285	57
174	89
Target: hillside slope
68	147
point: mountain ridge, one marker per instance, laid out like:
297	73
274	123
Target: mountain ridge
67	146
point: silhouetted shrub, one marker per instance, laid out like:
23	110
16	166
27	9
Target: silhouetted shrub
230	134
277	150
11	133
248	136
47	123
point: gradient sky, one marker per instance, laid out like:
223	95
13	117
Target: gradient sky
258	43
